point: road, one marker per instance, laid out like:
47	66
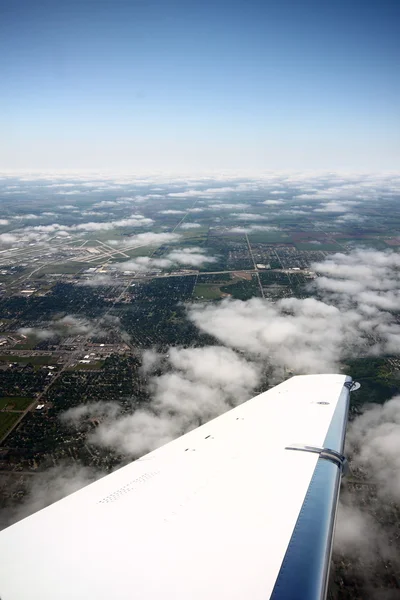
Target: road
255	266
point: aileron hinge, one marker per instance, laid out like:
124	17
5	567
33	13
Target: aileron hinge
325	453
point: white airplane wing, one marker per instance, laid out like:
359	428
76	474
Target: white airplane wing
242	507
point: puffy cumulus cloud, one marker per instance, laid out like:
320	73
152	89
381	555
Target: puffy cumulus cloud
28	217
151	360
304	336
99	411
350	218
4	221
148	239
136	434
107	203
68	325
252	228
42	233
96	213
37	332
8	239
74	325
366	535
368	279
144	263
60	185
208	192
195	210
134	221
373	443
201	384
273	202
353	316
190	225
45	228
335	206
69	192
99	280
359	536
138	199
172	212
296	211
194	257
228	206
249	216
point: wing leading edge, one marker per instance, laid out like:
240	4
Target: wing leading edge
225	511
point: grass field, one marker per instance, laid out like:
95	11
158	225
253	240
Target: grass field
68	268
269	237
15	403
365	243
135	252
196	232
33	360
206	279
207	292
27	344
7	420
320	246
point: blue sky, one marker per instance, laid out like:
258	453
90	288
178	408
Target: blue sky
190	85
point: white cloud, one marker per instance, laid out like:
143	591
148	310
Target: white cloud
373	442
172	212
354	316
100	280
193	257
66	326
92	410
49	486
190	225
228	206
40	334
133	221
304	336
8	239
249	216
335	206
70	192
209	192
367	279
204	383
106	203
252	228
149	239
